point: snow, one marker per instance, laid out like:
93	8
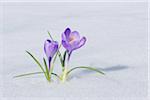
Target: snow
117	44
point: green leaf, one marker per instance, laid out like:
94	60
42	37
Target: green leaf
60	57
50	36
56	75
38	63
89	68
55	57
64	58
46	68
27	74
33	73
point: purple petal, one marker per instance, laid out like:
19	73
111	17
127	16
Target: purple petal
54	48
71	40
66	45
50	48
75	35
49	41
67	32
75	44
81	43
63	36
49	61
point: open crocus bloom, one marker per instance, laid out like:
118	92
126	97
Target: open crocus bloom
72	40
50	48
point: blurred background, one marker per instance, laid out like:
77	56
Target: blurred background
116	43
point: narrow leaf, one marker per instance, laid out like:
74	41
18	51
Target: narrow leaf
38	63
60	57
50	36
34	73
46	68
89	68
27	74
64	58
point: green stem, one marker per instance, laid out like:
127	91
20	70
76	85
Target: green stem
64	75
65	70
64	59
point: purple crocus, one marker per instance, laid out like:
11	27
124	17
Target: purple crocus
72	40
50	48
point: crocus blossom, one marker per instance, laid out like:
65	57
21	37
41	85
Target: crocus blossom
72	40
50	48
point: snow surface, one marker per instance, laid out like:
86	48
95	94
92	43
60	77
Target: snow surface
117	44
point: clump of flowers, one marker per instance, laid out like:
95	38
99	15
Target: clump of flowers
71	40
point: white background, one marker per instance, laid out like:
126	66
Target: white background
117	44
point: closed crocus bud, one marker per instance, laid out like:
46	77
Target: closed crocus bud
50	48
72	40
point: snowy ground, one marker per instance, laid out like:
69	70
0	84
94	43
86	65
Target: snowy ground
117	44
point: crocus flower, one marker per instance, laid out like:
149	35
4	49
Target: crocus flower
72	40
50	48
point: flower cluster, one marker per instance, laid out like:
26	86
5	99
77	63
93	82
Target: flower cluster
71	40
